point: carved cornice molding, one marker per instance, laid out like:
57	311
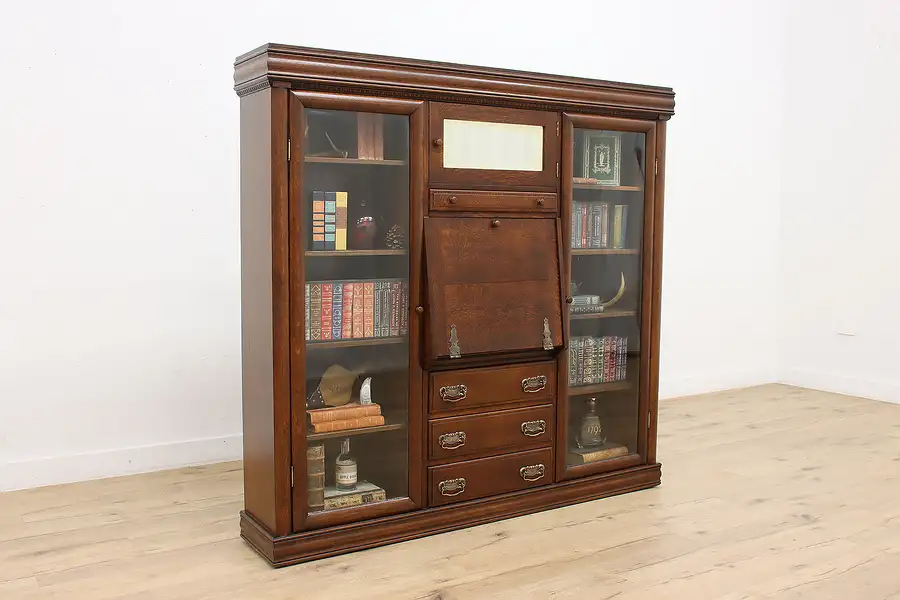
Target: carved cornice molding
380	76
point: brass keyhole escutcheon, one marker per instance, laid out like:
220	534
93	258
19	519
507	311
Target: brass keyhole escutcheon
540	202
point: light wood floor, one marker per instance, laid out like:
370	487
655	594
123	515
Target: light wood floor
768	492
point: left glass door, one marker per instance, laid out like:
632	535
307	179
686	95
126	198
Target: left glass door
352	181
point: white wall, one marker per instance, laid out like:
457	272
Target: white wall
840	236
119	312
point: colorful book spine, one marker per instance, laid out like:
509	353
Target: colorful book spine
358	309
340	232
573	362
394	330
404	308
337	311
376	318
576	217
306	309
327	298
620	216
369	309
315	477
318	221
330	219
387	314
589	374
604	226
347	312
583	226
580	349
315	312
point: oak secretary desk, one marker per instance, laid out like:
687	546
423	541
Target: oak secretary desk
450	295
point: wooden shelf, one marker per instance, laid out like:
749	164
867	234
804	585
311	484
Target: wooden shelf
607	314
332	253
593	251
611	188
596	388
354	161
354	342
312	437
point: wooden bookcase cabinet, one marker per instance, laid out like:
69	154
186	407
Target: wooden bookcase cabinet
525	202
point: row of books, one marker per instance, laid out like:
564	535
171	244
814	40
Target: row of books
344	418
329	220
340	310
598	224
597	359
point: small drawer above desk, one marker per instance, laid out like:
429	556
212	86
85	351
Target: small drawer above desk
493	202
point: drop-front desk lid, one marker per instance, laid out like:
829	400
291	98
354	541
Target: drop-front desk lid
493	286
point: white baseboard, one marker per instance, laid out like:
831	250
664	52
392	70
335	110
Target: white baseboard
123	461
886	391
713	382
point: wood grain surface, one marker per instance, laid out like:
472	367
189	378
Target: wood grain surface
770	492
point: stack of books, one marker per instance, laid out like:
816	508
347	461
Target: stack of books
597	359
341	310
344	418
598	224
329	220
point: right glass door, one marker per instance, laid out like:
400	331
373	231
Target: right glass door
607	192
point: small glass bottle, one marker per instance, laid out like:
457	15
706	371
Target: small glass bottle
589	435
345	472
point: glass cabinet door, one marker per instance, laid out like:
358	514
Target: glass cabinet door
354	210
606	194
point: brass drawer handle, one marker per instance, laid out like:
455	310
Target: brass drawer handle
452	487
531	385
532	472
534	428
452	441
453	393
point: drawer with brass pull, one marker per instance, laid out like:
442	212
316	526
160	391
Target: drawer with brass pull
492	201
483	477
455	391
490	433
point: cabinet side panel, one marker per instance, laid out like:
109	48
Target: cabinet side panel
266	466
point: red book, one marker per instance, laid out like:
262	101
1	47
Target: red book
369	309
327	298
347	307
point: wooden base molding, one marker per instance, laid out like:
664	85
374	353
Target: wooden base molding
322	543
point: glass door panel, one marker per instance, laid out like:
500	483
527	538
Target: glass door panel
605	246
355	205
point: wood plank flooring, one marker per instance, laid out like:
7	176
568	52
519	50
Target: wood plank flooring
768	492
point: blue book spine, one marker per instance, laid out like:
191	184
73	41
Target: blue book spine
337	309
